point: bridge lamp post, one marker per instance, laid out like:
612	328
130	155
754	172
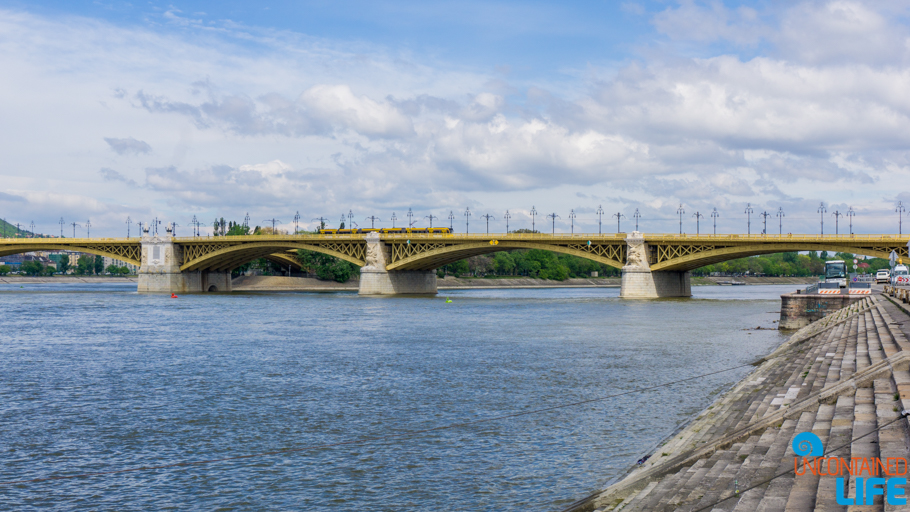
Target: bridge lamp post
62	223
431	217
296	226
88	228
394	218
273	221
467	218
342	221
698	216
821	213
680	211
780	221
452	220
533	214
764	228
900	210
128	222
488	217
554	217
74	228
600	214
572	220
715	215
618	216
31	228
637	216
836	215
748	212
246	221
373	219
507	217
321	222
850	214
410	218
350	219
174	229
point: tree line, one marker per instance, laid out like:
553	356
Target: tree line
85	265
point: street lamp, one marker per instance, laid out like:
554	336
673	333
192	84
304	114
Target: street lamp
637	216
350	220
88	228
394	218
680	211
467	218
850	214
373	219
273	221
900	210
321	222
431	217
780	221
296	223
554	217
572	219
748	212
533	214
715	215
74	228
764	227
451	220
821	213
128	222
62	223
410	219
507	217
600	213
698	217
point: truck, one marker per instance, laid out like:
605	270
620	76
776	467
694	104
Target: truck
883	276
900	276
836	272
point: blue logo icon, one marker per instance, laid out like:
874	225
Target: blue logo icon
807	444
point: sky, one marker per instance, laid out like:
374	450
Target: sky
174	110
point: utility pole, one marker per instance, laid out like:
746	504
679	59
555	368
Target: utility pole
533	214
467	216
410	217
451	221
373	219
680	211
618	216
273	221
850	214
431	217
128	222
321	222
156	222
780	221
74	228
636	216
31	228
900	210
62	223
836	215
698	217
572	219
554	217
195	224
488	217
748	212
715	215
342	221
600	214
174	229
394	218
88	228
246	221
821	213
140	228
507	217
764	214
296	227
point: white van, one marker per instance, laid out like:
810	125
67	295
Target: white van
900	276
883	276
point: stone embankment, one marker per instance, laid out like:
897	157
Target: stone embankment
840	377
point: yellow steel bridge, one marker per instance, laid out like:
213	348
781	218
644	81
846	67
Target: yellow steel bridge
428	251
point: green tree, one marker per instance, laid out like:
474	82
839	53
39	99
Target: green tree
98	265
32	268
112	269
5	269
84	265
64	264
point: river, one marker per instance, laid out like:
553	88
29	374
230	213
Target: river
97	378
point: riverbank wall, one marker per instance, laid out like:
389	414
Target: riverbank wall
798	310
844	378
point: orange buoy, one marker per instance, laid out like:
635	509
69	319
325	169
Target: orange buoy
173	295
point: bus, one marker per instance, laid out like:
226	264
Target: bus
836	272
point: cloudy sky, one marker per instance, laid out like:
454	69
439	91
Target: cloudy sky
113	110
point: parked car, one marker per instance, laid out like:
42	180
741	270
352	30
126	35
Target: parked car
883	276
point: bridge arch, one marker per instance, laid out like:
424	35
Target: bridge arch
129	253
229	257
717	255
445	254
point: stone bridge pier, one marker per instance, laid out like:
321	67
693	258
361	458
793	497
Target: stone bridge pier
639	282
160	270
376	280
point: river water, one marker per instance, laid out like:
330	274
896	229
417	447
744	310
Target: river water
97	378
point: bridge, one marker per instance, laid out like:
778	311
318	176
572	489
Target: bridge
653	265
